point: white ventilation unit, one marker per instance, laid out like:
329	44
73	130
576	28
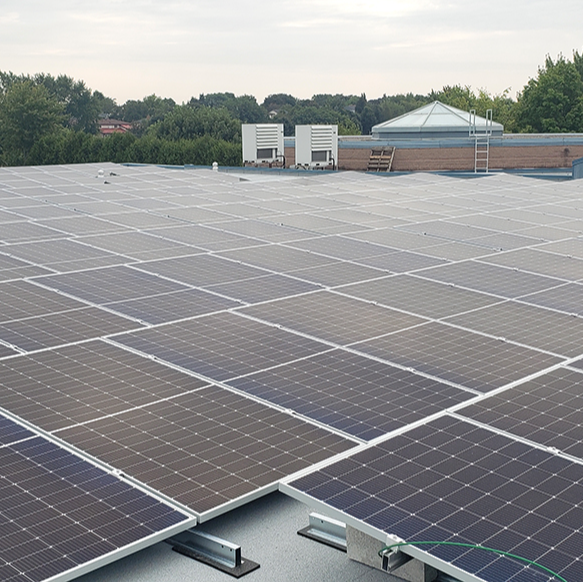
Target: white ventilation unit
262	143
316	146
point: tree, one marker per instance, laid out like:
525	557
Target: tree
27	114
185	123
553	102
244	108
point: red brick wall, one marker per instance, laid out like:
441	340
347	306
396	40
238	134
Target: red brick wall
501	157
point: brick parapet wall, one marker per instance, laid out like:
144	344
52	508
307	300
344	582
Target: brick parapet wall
436	159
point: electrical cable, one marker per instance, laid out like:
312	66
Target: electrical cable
471	546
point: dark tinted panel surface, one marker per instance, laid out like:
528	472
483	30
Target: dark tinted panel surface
459	356
547	410
333	317
206	448
530	325
354	394
112	284
63	328
222	346
58	512
78	383
500	281
449	480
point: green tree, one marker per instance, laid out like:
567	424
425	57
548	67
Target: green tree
553	102
244	108
27	114
277	101
186	122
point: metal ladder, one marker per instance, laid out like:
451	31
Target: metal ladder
481	141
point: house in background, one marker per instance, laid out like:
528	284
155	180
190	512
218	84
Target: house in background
113	126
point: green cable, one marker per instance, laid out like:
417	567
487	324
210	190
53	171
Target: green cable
504	553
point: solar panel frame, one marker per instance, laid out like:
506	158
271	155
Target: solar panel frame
458	356
211	345
529	325
431	492
333	317
62	516
208	448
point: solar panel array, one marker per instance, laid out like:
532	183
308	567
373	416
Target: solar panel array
400	351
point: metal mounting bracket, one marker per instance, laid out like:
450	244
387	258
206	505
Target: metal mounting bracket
326	530
212	551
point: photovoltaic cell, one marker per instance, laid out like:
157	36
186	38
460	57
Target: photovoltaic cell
70	385
492	279
278	258
63	328
111	284
261	289
547	410
566	298
62	254
20	299
351	393
333	317
530	325
212	239
451	481
137	245
173	306
341	247
420	296
222	346
25	231
538	261
81	225
403	261
206	448
11	432
201	270
458	356
58	512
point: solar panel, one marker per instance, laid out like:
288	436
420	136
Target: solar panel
547	410
62	255
21	299
138	245
63	328
173	306
451	481
539	261
420	296
459	356
529	325
500	281
338	273
277	258
565	298
74	384
25	231
222	346
110	284
341	247
80	225
333	317
352	393
61	515
205	359
206	448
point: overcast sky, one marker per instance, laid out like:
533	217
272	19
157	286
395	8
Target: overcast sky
128	49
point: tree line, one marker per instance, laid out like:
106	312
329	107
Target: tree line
54	120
